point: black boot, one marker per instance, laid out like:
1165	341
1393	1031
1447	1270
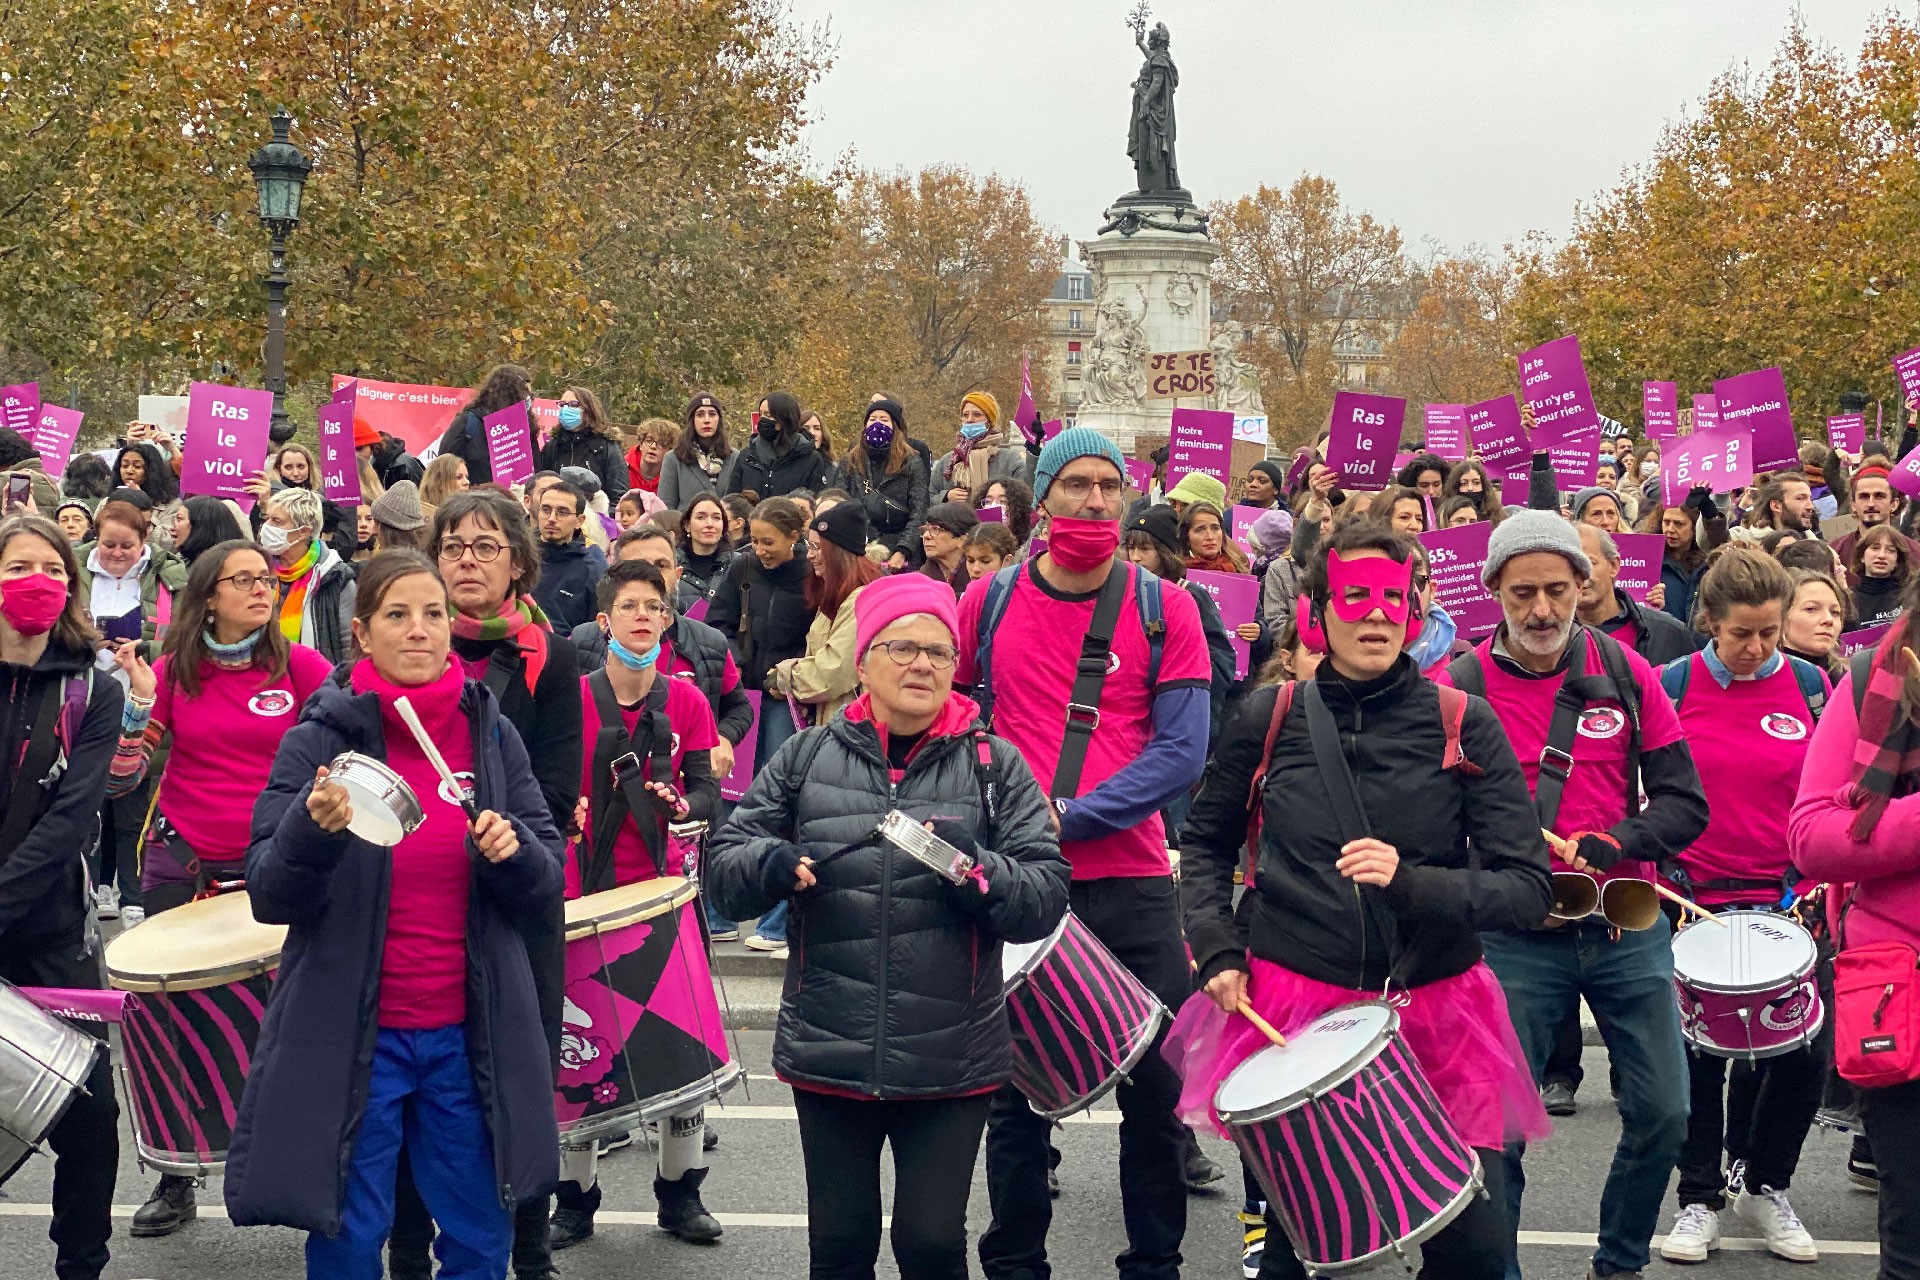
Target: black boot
532	1256
168	1209
1200	1171
572	1215
681	1213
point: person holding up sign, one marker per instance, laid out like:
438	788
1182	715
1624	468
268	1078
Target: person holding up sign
1645	630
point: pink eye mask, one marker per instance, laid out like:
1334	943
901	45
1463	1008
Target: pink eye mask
1376	575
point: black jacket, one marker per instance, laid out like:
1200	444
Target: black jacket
1875	600
466	437
583	448
896	504
1303	914
703	571
306	1091
705	649
570	574
1682	585
763	614
1658	637
392	463
771	474
894	986
43	895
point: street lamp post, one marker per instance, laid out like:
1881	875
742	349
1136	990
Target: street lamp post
280	175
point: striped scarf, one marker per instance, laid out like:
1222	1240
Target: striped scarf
1887	753
520	620
295	581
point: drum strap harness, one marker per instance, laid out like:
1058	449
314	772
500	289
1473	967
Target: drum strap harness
619	777
1349	813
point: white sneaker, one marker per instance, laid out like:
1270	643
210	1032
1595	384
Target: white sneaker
1769	1211
131	916
106	902
759	942
1695	1234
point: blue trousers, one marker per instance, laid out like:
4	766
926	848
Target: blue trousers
1628	983
421	1095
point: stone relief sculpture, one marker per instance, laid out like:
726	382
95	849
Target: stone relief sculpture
1237	386
1116	367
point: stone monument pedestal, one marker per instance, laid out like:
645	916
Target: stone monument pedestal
1151	266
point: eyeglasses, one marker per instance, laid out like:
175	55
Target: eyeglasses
245	583
485	550
634	608
555	513
905	652
1078	487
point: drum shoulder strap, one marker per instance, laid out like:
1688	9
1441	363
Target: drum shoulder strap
619	795
1083	704
36	761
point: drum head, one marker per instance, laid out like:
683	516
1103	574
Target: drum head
642	900
371	789
201	944
1319	1056
1017	959
1756	950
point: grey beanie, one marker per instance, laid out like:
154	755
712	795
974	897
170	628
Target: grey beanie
1582	498
1527	531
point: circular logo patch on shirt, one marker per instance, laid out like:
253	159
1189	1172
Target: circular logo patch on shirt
1113	664
683	675
270	702
673	748
466	786
1780	725
1602	722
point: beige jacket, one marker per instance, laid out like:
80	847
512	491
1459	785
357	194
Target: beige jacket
824	680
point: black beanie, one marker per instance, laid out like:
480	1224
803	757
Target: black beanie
1160	524
844	524
894	411
1271	470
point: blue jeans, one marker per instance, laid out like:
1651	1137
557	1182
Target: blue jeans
421	1095
1628	984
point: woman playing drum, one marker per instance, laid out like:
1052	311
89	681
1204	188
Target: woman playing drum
225	691
404	1015
893	1026
1748	717
1333	918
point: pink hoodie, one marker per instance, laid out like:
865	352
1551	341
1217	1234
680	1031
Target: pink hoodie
1886	866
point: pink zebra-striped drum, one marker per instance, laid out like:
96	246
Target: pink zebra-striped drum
1348	1141
1080	1021
196	980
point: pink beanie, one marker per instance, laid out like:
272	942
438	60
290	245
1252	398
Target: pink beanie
883	602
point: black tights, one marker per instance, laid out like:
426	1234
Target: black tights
1471	1247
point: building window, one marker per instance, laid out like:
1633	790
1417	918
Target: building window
1073	318
1076	288
1073	353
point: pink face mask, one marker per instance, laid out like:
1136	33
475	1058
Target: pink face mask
32	604
1388	586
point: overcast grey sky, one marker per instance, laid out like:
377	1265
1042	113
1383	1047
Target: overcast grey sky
1462	121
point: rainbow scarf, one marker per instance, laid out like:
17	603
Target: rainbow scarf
295	580
519	620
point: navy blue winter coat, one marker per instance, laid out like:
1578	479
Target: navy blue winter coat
306	1094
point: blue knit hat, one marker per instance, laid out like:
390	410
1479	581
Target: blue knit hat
1074	442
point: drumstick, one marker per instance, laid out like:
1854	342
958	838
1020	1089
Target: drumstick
1266	1028
1685	904
419	731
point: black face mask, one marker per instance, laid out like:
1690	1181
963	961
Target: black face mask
769	429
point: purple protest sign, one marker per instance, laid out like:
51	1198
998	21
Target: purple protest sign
1847	431
992	513
1574	450
1139	474
1906	476
226	440
1363	437
339	469
1202	440
1237	596
1907	365
54	431
18	404
1454	560
1302	459
1447	431
1051	428
1640	557
1757	400
699	610
1243	517
1554	383
347	393
509	444
1515	486
1024	413
734	785
1852	642
1660	409
1721	458
1706	412
1494	426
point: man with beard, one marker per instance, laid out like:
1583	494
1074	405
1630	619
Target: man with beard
1873	503
1592	728
1784	502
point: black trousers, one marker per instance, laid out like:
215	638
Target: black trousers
1563	1063
1893	1126
117	855
935	1144
86	1142
1138	920
1769	1108
1471	1247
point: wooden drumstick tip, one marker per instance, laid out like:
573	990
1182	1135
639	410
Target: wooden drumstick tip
1687	904
1266	1028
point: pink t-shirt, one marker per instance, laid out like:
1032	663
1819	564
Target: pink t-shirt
681	668
1596	794
224	740
1035	653
1749	741
691	719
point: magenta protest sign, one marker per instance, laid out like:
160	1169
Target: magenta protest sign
1051	428
1852	642
1024	413
1243	517
1554	383
1237	596
1201	440
52	436
1706	412
509	444
1515	486
18	404
993	513
1906	476
1495	428
339	469
1139	474
1757	400
1720	458
1847	431
1454	559
1363	436
1574	450
1660	409
1907	365
1447	431
1640	557
226	440
734	785
698	611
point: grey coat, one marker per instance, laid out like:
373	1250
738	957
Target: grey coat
681	483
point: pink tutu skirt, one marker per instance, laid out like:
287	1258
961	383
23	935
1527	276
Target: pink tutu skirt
1457	1028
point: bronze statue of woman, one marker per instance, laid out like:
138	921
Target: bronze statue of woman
1150	136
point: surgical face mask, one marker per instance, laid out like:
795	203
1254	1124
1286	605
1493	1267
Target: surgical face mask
1649	469
275	539
570	417
629	659
973	430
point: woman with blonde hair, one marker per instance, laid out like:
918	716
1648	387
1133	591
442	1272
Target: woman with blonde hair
446	475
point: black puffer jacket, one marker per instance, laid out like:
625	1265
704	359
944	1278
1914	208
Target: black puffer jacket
894	985
896	504
583	448
1306	916
1657	637
763	614
761	469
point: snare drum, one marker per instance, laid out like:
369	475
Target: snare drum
641	1035
196	980
1747	990
43	1062
1080	1020
384	810
1348	1141
685	840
